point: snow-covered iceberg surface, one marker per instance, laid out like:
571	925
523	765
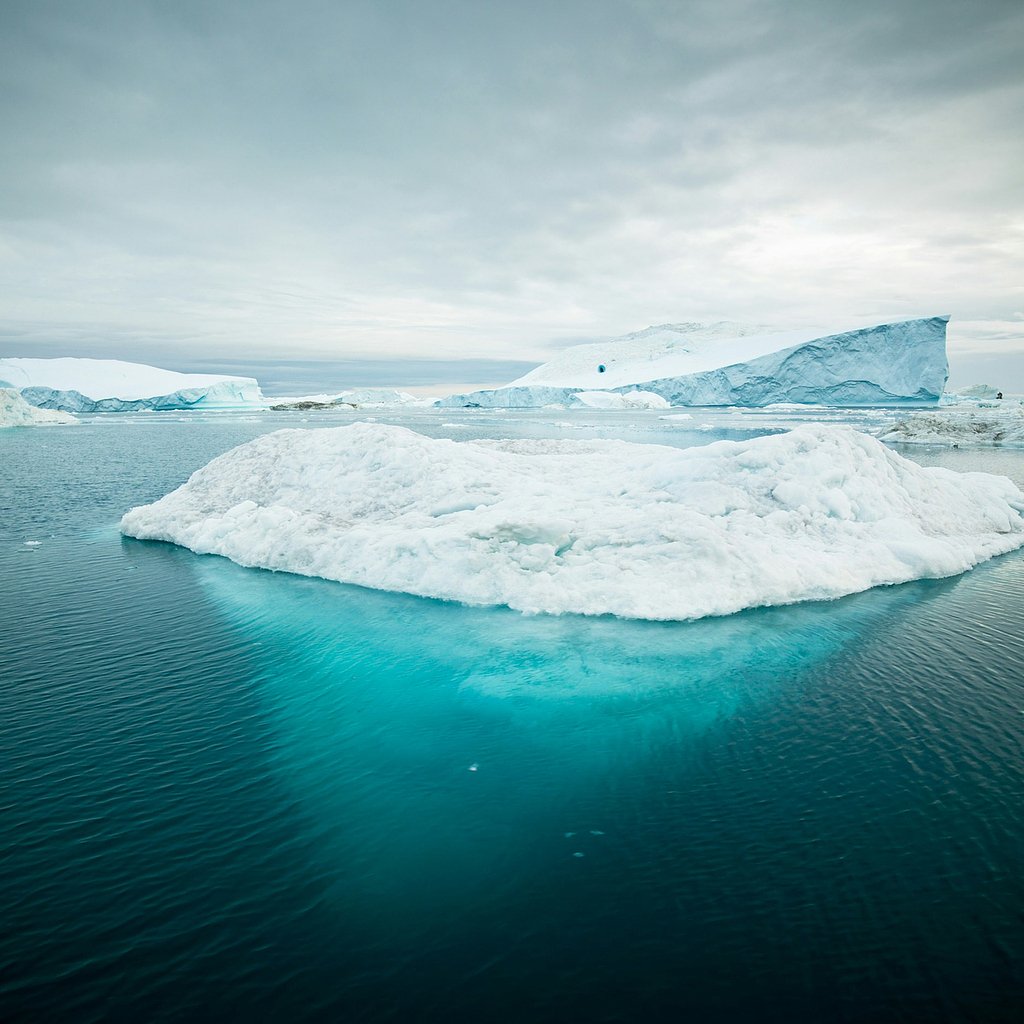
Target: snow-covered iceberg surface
995	423
727	364
640	531
111	385
16	412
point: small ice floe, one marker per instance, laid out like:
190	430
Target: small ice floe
33	543
474	767
596	832
569	835
578	854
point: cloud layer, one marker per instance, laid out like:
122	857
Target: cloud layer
457	180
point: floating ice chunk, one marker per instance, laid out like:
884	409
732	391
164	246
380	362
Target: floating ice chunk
358	398
971	427
16	412
474	767
613	400
593	527
579	854
33	543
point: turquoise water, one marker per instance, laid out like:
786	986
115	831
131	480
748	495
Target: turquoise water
231	794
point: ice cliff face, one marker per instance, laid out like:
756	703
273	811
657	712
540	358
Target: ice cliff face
599	527
687	364
111	385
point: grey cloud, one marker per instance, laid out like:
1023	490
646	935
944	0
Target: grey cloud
451	178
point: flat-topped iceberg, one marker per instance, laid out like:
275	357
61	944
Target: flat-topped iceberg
640	531
16	412
111	385
728	364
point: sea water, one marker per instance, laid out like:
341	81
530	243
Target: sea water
235	794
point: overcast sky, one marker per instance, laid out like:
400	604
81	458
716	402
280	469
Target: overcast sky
452	180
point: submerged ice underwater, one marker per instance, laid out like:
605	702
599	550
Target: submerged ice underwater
241	792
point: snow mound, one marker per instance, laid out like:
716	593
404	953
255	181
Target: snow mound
16	412
639	531
112	385
727	364
971	427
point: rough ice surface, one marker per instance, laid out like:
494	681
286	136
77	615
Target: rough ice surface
987	423
16	412
112	385
639	531
727	364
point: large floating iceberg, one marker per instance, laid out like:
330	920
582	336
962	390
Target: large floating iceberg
640	531
728	364
16	412
111	385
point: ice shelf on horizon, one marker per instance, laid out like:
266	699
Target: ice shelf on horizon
592	527
728	364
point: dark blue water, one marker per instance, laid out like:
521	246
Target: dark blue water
231	794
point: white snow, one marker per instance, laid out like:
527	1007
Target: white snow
669	350
973	393
613	400
16	412
107	378
113	382
640	531
996	423
358	397
732	364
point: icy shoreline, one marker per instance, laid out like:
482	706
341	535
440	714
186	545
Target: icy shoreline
603	527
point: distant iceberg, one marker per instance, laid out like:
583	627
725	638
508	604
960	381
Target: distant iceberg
16	412
111	385
355	398
996	423
728	364
591	527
